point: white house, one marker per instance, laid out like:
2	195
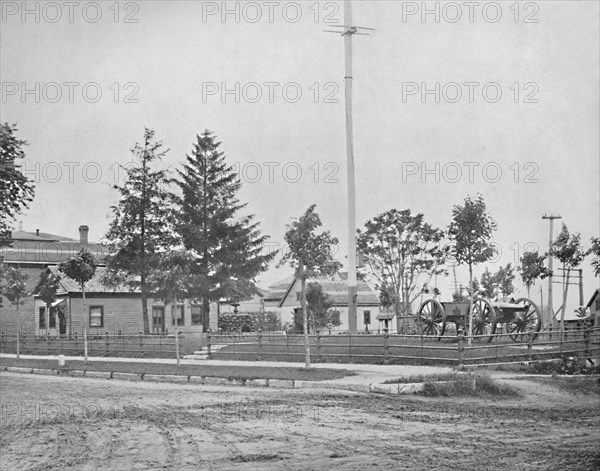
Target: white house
336	287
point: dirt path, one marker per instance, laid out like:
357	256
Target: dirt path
83	424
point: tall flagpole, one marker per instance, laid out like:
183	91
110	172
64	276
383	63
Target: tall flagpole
352	284
347	31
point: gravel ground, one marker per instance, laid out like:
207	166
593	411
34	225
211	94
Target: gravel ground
67	423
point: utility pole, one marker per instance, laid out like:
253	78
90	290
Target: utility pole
348	30
581	302
550	308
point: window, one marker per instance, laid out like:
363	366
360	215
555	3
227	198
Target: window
42	323
178	315
96	316
367	317
298	294
196	315
158	319
598	304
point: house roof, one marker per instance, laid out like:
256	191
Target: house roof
48	252
277	290
591	301
24	235
95	285
337	289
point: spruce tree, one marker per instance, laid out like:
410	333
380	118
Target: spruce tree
226	246
141	228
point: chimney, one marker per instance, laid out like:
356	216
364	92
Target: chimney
83	234
37	232
20	226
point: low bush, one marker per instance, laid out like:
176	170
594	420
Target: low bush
458	384
567	365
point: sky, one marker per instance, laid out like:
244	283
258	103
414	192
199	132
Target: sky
449	100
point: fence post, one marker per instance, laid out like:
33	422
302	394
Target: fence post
177	345
141	345
530	346
350	346
318	346
586	338
85	343
19	341
287	346
461	349
386	349
208	352
259	336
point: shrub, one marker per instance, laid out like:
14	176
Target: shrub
238	322
568	365
458	384
250	322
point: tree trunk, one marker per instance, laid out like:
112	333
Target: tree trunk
85	318
144	305
47	320
565	294
305	321
205	314
173	318
398	311
18	331
470	312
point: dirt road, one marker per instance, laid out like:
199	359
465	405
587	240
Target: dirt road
87	424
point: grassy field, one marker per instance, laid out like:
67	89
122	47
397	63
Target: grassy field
232	372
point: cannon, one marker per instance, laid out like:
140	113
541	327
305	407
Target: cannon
519	318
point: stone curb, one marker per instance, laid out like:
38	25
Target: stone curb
98	374
44	371
398	388
127	376
166	378
18	369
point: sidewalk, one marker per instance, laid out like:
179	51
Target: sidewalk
365	375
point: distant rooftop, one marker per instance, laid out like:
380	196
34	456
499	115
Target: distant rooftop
40	236
43	248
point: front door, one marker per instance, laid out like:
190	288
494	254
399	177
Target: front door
158	320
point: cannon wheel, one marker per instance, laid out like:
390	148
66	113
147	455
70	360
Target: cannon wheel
484	319
431	318
525	322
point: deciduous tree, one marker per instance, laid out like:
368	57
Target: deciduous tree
402	253
310	255
318	304
80	268
532	267
46	289
15	290
595	252
471	231
16	191
568	250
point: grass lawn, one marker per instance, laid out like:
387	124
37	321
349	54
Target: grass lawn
232	372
